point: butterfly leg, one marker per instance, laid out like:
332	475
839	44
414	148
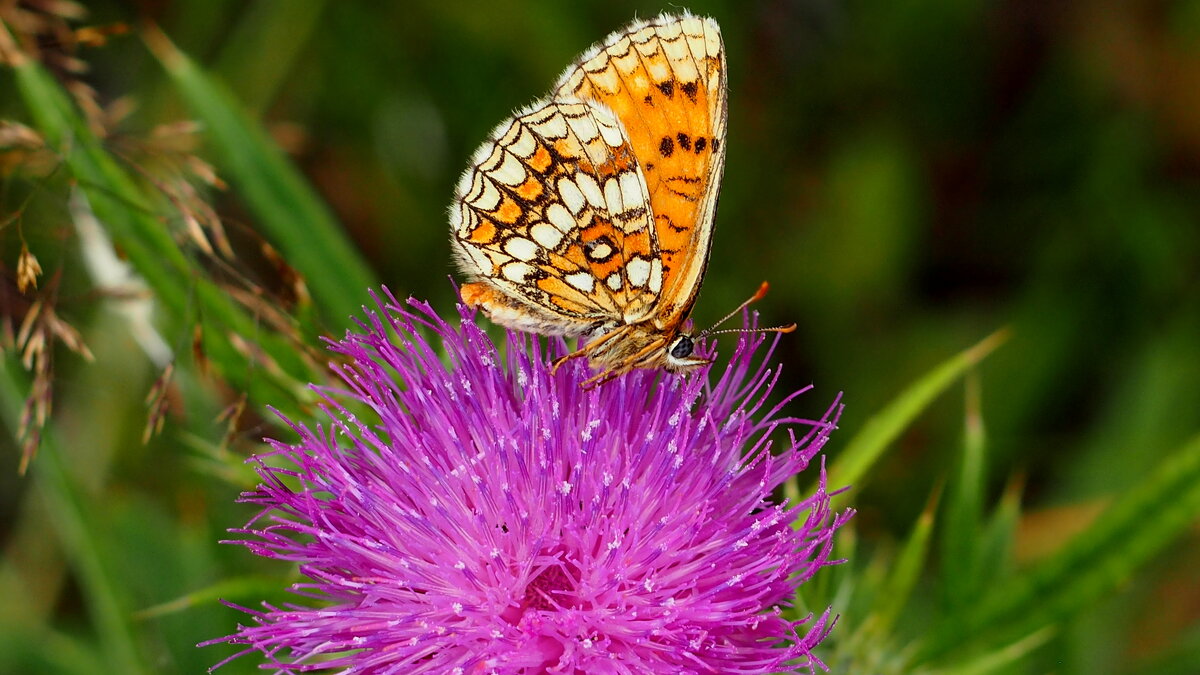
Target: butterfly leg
587	349
591	348
600	378
560	361
624	367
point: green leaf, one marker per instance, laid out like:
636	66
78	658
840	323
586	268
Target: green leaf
1094	564
964	507
867	446
293	216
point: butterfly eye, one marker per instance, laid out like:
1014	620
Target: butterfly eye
682	347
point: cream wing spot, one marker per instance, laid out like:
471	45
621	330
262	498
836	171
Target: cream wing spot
599	251
628	63
553	127
485	152
581	281
560	218
488	197
516	272
521	248
467	221
619	47
691	25
497	258
642	35
479	261
571	195
525	144
584	128
712	37
656	275
606	79
612	134
669	30
591	190
547	235
682	60
632	192
638	272
592	60
697	44
660	70
491	160
510	171
612	196
613	282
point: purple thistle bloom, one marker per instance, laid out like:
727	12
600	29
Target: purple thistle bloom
494	518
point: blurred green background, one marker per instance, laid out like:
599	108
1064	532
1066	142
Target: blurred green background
909	176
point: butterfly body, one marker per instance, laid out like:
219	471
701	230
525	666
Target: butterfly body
589	213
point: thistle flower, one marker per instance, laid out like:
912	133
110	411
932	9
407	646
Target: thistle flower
493	517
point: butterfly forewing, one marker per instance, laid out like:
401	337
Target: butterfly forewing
665	80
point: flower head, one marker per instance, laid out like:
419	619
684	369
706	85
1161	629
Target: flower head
492	517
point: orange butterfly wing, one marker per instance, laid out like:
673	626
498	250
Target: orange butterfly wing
665	80
591	212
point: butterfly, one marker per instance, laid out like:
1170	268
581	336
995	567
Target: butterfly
590	212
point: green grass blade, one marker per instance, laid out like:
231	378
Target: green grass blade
832	585
999	659
178	282
295	219
80	538
37	649
907	569
875	597
1095	563
111	193
236	589
868	445
278	27
998	535
964	506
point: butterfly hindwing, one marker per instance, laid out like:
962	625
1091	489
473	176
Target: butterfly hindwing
555	212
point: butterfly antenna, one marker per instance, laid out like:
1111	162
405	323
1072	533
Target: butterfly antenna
758	295
787	328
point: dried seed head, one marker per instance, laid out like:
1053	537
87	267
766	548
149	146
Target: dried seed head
28	270
157	400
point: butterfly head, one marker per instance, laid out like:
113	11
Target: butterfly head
679	353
